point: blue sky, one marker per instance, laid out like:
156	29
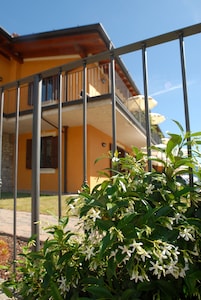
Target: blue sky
128	21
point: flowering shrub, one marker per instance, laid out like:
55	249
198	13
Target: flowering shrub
140	236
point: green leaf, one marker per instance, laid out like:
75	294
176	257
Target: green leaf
105	243
195	221
91	280
104	224
6	290
195	134
186	162
192	278
65	258
64	221
179	125
174	141
164	211
100	292
131	294
126	220
111	190
55	292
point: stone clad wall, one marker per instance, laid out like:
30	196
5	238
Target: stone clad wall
7	163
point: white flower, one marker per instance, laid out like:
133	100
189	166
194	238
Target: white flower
136	246
113	254
89	252
126	250
136	276
73	209
169	222
140	250
149	189
94	214
144	254
157	269
114	231
178	217
63	287
115	159
172	268
187	234
93	265
182	273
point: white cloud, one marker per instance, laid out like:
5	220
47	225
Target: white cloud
168	88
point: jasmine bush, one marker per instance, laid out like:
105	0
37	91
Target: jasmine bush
140	235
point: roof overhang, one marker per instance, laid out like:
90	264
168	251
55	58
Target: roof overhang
82	40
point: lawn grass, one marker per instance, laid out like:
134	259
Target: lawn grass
48	204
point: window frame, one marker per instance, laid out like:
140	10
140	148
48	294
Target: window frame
50	90
46	163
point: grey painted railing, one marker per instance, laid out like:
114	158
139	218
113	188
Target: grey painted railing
110	55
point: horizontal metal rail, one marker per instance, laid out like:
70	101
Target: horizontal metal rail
150	42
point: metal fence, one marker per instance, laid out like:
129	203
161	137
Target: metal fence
18	88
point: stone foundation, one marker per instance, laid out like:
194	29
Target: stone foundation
7	162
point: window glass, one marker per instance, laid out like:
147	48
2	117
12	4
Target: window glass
49	153
49	90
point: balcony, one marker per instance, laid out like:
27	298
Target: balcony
98	89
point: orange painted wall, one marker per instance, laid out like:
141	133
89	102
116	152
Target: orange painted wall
74	159
74	180
36	66
5	69
96	151
24	175
75	156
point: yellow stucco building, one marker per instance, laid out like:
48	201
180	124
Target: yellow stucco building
22	58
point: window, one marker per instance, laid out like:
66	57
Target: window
49	153
50	90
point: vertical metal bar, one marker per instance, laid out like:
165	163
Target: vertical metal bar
1	134
84	97
60	146
65	157
145	80
36	150
15	175
185	95
114	139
